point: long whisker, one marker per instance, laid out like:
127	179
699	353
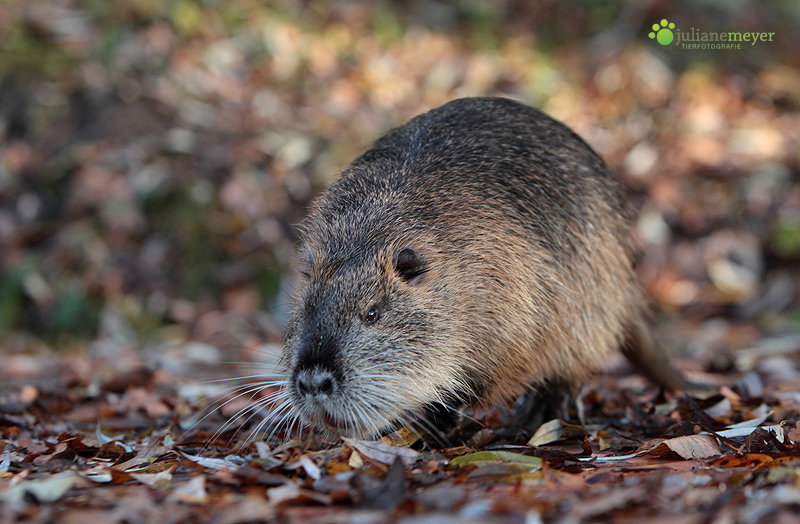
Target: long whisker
245	390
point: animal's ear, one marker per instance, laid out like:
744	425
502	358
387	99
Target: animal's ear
409	265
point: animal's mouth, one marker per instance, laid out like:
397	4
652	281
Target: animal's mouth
325	420
434	417
337	425
331	421
349	415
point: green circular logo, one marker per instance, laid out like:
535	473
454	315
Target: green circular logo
663	33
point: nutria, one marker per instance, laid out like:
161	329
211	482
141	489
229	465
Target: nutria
478	249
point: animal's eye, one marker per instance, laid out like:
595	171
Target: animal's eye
372	316
305	274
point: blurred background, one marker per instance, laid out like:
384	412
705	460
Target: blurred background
156	156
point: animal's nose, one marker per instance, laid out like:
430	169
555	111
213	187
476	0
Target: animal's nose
315	382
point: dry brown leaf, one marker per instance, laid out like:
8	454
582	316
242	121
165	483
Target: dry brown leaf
48	489
382	452
290	493
690	447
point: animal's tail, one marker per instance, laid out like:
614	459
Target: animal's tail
650	359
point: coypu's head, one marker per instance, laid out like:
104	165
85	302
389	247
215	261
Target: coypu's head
363	350
373	341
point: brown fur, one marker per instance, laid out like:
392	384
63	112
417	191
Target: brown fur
495	247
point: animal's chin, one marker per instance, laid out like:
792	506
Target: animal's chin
325	421
436	417
340	427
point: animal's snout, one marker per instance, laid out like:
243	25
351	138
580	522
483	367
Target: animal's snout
315	382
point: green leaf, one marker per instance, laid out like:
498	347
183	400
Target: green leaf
555	430
483	458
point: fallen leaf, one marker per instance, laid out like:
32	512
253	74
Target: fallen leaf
101	474
402	437
382	452
688	447
483	458
123	381
744	431
159	480
311	469
385	494
748	460
509	473
794	433
253	508
555	430
355	461
290	493
789	495
46	490
232	462
192	492
780	474
614	500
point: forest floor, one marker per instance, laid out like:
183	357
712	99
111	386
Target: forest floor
145	446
